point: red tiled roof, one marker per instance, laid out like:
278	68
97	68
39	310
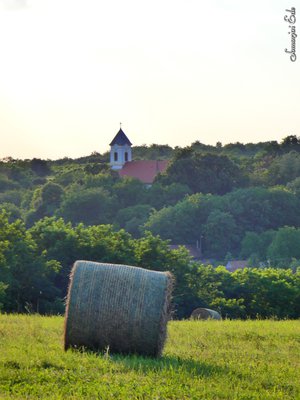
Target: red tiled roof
144	170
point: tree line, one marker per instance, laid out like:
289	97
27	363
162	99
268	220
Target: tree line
35	265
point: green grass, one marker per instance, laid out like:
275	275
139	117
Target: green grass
202	360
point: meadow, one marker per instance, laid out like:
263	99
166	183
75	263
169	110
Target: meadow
207	360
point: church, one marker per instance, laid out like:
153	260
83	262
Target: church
121	161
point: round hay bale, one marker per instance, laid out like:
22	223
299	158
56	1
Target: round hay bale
121	307
205	313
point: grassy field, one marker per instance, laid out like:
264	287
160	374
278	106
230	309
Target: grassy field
202	360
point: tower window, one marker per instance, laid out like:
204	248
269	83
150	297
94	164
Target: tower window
115	156
126	156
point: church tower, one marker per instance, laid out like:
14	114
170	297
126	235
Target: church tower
120	150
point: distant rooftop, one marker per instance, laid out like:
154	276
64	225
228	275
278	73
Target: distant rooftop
120	139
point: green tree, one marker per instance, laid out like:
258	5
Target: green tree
220	232
12	210
29	277
57	240
255	245
133	218
182	223
129	191
159	195
269	292
51	195
40	167
90	206
6	184
229	308
175	223
61	241
69	174
248	292
3	287
204	284
44	202
285	245
208	173
285	169
96	168
104	180
12	196
291	141
260	209
153	152
294	186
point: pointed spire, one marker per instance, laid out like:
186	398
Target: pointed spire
120	139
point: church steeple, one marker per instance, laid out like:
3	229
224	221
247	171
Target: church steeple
120	150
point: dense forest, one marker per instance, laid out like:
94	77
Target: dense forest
240	201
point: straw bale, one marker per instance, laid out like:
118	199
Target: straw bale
121	307
205	313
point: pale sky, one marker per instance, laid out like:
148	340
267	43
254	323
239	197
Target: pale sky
172	71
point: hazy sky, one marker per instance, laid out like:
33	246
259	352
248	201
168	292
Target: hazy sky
172	71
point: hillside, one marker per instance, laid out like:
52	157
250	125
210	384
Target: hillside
238	201
234	189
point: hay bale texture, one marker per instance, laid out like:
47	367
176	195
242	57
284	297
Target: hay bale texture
120	306
205	313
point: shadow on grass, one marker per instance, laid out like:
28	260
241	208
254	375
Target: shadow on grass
168	364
